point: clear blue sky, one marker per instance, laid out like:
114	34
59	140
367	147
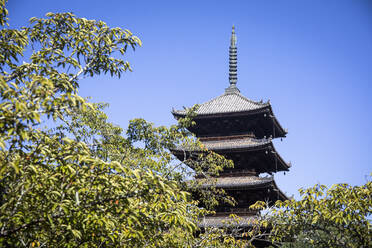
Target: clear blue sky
312	59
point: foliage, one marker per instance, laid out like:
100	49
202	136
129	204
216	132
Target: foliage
336	217
152	153
79	181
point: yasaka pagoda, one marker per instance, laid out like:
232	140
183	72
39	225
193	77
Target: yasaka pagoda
241	130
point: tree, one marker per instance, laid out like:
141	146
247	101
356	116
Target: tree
336	217
79	181
108	143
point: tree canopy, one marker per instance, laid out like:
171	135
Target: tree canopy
69	178
339	216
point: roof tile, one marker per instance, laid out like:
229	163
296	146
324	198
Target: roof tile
234	143
229	102
239	181
223	221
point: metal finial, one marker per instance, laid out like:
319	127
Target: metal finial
233	37
233	75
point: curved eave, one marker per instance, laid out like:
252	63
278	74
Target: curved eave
266	146
243	182
266	185
237	148
283	132
283	197
280	159
261	184
183	153
234	145
265	109
181	113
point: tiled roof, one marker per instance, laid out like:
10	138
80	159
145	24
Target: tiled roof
229	102
223	221
243	144
241	181
227	143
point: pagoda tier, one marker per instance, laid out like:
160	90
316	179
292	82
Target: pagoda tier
246	190
245	222
234	114
251	156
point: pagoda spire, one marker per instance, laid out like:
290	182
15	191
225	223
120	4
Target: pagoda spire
233	61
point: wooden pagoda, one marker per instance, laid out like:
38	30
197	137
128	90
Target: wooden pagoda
241	130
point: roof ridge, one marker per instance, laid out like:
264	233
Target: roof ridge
238	94
227	139
250	100
228	102
211	100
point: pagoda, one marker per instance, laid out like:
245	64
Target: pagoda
241	130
